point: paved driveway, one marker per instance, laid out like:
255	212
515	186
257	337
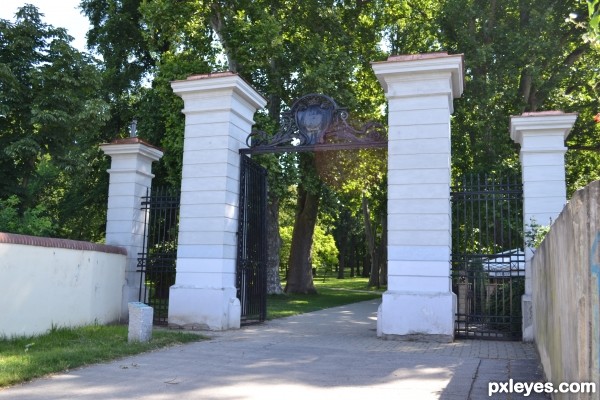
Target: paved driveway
329	354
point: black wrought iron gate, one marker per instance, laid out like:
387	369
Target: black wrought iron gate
251	274
488	263
156	262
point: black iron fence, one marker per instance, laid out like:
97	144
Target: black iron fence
488	262
156	263
251	271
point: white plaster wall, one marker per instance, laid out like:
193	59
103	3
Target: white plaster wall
41	287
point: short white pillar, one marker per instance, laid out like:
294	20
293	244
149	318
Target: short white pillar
419	303
541	136
219	110
140	322
130	178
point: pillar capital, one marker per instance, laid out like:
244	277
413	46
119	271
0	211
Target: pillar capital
132	146
408	75
220	89
554	126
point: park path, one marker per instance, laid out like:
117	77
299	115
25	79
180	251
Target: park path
328	354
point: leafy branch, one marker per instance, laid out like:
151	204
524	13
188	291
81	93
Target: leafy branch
535	233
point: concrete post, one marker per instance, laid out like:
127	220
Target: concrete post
219	110
541	136
130	178
420	90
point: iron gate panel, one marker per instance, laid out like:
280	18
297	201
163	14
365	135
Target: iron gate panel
156	262
251	276
488	262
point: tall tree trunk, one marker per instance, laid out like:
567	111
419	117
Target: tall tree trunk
342	242
273	246
300	278
217	23
353	259
370	235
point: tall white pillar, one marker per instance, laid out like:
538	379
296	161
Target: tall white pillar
541	136
420	89
130	178
219	111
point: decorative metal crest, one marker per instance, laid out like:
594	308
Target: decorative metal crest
314	120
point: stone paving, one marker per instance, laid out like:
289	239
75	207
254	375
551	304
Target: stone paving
327	354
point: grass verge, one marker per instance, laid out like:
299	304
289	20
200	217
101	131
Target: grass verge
331	293
23	359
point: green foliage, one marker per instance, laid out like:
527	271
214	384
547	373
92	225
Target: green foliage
33	221
519	56
535	233
594	24
324	252
50	125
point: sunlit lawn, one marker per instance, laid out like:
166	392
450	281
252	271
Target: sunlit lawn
332	292
26	358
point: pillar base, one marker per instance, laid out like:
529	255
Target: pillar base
417	316
193	307
527	311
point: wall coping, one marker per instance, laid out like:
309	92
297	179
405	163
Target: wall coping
13	238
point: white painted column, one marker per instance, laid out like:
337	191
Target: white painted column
219	111
541	136
419	302
130	178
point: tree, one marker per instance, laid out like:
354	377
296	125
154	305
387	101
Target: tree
50	119
519	56
284	49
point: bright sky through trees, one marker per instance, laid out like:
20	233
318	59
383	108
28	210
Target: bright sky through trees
60	14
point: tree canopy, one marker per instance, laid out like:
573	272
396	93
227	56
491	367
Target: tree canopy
50	126
57	104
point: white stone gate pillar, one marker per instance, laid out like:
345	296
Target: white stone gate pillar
541	136
130	178
420	91
219	111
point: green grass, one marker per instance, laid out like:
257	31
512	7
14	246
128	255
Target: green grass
23	359
331	293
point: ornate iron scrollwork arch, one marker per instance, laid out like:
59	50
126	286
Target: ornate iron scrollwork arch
316	122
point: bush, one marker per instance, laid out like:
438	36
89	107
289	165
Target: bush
33	221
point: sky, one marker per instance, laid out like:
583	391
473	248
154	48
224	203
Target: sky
59	13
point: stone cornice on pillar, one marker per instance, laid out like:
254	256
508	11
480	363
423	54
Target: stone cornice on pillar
413	67
219	82
132	146
541	123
